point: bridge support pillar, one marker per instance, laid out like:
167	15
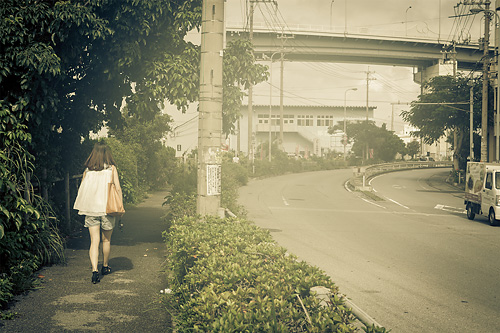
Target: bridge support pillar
439	69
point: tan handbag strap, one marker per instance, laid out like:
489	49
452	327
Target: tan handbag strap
113	174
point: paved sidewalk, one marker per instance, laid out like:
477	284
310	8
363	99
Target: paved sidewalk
124	301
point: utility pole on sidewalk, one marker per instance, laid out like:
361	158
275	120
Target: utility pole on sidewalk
250	95
251	153
392	116
283	39
210	114
486	65
368	79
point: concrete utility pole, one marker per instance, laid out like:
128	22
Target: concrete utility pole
497	47
281	100
471	122
250	89
271	104
368	79
210	114
283	39
250	94
345	121
392	116
486	63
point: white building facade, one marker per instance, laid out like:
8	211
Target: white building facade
305	128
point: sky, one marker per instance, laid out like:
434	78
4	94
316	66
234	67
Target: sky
325	83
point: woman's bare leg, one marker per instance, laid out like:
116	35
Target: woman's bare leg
94	232
106	246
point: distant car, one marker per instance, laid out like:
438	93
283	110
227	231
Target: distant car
426	158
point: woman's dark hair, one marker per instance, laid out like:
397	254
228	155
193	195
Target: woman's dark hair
100	155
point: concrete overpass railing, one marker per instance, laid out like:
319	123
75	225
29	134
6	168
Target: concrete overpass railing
362	174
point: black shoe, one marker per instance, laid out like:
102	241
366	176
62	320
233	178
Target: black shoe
105	270
95	277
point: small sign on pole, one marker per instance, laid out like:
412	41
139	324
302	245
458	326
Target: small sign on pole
213	179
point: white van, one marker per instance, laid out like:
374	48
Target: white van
482	190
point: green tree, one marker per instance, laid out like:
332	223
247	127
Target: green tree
365	134
413	148
435	120
69	66
240	71
28	234
145	136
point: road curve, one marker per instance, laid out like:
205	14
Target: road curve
411	260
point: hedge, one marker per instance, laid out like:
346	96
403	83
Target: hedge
227	275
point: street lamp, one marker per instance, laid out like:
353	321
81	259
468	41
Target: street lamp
345	125
406	20
484	117
271	102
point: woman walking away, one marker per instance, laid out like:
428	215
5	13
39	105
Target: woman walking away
91	202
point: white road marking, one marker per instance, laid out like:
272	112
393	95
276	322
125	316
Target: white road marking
353	211
397	203
370	182
347	187
450	209
284	201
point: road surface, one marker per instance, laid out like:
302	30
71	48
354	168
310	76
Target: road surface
412	260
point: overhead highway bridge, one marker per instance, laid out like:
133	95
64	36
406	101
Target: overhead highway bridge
430	57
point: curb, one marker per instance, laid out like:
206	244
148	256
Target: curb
324	294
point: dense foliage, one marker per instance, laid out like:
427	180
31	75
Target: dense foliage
230	276
28	233
240	71
367	137
412	148
67	68
149	164
435	120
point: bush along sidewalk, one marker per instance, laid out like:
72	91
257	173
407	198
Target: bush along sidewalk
227	275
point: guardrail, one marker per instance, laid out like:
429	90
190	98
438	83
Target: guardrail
363	173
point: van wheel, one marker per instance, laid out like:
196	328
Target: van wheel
470	211
492	218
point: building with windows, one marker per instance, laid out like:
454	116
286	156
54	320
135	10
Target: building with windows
305	128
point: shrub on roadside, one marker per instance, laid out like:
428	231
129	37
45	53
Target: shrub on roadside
228	275
234	176
179	205
375	329
6	289
28	236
